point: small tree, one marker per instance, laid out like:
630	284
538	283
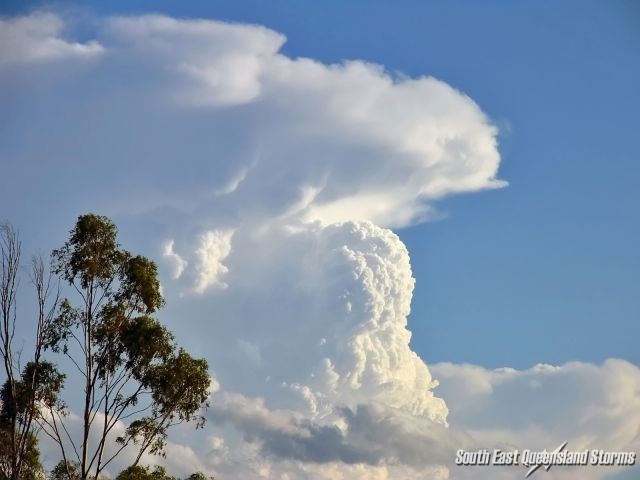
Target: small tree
158	473
24	390
131	369
65	470
136	472
199	476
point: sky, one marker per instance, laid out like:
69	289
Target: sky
348	201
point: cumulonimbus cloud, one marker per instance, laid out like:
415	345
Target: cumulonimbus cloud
268	185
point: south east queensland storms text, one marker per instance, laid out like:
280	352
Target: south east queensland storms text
484	457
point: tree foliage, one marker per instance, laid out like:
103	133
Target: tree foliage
31	468
65	470
198	476
42	384
136	472
157	473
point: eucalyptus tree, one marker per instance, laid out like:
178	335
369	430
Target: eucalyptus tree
136	381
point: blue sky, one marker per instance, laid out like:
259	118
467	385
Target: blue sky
212	146
530	273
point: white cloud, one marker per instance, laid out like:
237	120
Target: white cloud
590	406
224	61
39	38
324	307
177	263
214	247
